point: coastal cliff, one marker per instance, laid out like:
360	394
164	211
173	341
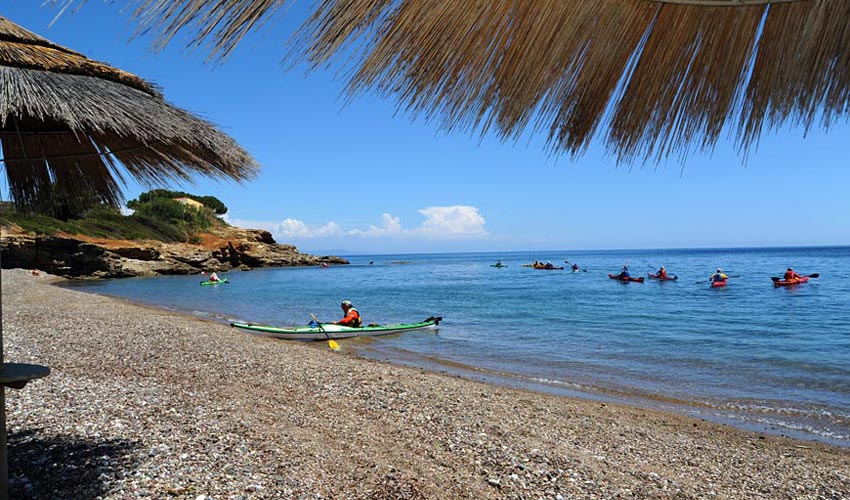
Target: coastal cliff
78	256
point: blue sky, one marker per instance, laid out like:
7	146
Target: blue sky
361	177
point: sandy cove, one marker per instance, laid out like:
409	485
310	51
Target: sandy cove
146	403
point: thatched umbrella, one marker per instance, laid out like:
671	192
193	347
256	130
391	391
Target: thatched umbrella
654	78
67	126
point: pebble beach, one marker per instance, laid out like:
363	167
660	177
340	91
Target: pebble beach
147	403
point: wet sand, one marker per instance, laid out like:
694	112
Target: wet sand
146	403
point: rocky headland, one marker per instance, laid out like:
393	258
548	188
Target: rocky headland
77	256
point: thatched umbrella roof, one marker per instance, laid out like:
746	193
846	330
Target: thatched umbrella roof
652	77
68	124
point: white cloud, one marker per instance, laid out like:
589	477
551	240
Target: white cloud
458	221
293	228
441	223
290	228
390	227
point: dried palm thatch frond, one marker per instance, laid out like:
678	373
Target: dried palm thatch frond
655	77
69	124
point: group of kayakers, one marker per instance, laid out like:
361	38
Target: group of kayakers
540	265
718	278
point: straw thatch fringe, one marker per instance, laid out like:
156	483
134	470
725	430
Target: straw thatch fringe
20	48
225	21
36	182
67	134
687	81
656	78
803	68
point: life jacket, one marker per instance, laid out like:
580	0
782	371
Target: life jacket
790	275
719	277
662	273
356	320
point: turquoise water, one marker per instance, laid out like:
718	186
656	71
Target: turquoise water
771	359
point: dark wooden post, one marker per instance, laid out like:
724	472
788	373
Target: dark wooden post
16	376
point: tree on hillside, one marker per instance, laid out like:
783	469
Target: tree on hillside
210	202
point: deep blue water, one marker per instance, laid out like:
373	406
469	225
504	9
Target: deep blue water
773	359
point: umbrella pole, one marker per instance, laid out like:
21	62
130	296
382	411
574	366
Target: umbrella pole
16	376
4	463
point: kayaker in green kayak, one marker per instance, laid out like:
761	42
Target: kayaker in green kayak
214	277
352	316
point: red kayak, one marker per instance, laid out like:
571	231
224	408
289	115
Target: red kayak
795	281
718	284
636	280
669	277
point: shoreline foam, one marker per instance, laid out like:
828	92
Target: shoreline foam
769	420
161	404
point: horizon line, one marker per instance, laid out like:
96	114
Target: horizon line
776	247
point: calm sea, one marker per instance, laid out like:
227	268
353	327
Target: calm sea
759	357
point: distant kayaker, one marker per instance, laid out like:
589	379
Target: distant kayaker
624	273
352	316
791	275
575	267
718	276
214	277
662	273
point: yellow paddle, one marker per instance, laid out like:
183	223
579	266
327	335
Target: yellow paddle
331	342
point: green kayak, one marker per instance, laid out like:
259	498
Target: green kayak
219	282
325	331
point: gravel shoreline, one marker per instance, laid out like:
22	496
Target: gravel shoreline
146	403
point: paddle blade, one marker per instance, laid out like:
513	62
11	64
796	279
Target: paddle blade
775	278
815	275
333	345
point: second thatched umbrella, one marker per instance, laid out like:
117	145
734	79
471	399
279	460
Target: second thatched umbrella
69	124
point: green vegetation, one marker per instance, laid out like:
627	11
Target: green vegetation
156	217
210	202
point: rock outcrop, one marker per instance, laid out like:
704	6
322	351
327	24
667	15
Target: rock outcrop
76	256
